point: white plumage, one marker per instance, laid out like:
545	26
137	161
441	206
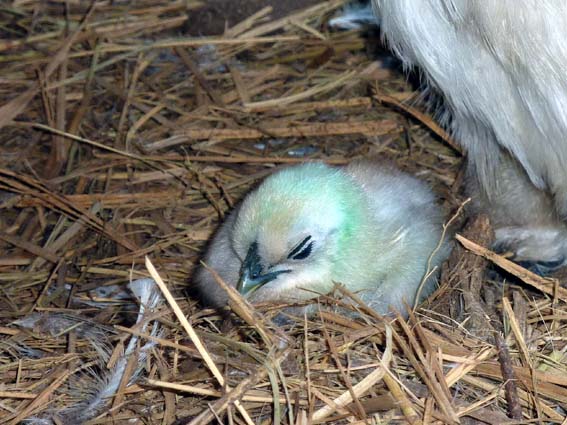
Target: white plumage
501	66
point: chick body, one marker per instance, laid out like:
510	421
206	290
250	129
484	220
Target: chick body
367	226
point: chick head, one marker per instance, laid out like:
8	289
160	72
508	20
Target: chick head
291	232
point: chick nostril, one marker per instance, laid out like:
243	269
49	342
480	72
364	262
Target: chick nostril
256	272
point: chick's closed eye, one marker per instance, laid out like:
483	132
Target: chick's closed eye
302	250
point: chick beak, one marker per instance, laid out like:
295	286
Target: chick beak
251	273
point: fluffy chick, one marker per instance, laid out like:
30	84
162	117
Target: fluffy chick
367	226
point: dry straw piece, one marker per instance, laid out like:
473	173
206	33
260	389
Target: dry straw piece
128	133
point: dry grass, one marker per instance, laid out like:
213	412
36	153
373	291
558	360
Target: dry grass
122	138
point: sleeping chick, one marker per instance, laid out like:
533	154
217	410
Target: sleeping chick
367	226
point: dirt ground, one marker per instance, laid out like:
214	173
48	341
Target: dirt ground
217	15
